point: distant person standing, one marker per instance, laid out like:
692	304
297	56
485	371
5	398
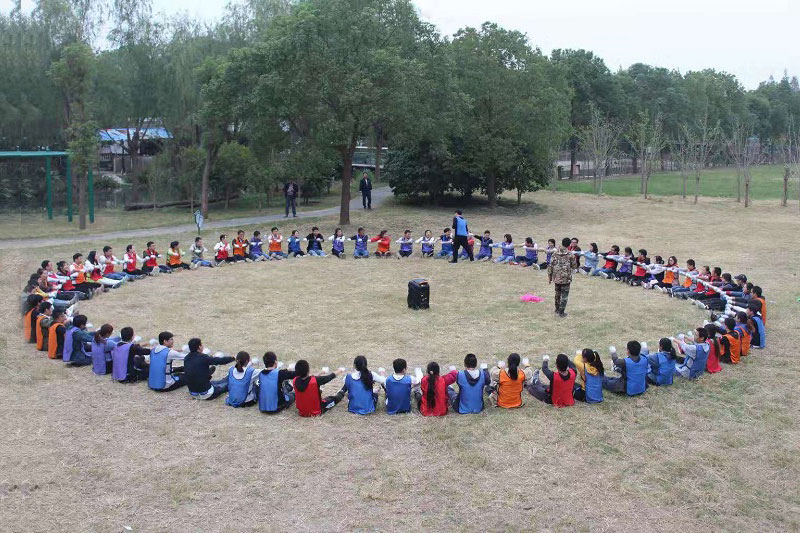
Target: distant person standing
365	186
460	236
562	265
290	191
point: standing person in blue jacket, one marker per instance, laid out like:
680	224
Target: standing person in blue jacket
274	388
662	364
460	236
76	341
473	384
198	369
359	387
398	388
241	382
162	376
485	253
361	239
633	370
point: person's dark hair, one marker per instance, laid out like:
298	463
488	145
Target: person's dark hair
634	348
507	237
45	263
103	333
44	306
528	240
551	241
717	271
274	228
106	249
673	259
592	358
270	359
566	241
711	334
458	212
665	345
301	368
126	334
197	239
691	262
749	285
382	233
129	248
92	257
730	323
754	306
741	316
360	364
79	321
433	375
659	260
701	333
240	232
513	366
242	358
194	344
562	362
32	301
361	228
643	252
727	277
757	290
593	247
471	360
399	365
315	228
256	233
222	236
174	244
57	314
629	250
164	336
76	256
150	243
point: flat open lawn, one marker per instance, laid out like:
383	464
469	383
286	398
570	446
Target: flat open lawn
767	184
82	453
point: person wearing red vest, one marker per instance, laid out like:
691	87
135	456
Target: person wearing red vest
714	349
308	392
432	396
130	259
560	392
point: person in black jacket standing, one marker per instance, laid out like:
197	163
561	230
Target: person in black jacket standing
365	186
290	190
198	369
460	237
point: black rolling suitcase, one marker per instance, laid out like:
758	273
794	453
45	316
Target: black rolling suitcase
418	294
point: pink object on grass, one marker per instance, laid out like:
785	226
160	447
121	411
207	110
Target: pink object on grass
528	297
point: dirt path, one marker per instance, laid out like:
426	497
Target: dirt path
378	197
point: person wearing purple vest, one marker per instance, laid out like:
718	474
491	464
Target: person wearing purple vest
102	348
128	359
76	342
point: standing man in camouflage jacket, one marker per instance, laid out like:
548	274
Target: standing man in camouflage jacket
562	265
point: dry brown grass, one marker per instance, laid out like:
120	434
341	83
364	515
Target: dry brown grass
82	453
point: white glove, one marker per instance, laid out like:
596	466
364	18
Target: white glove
291	367
644	346
545	358
501	364
326	370
185	348
612	349
381	371
451	368
484	366
137	338
153	342
578	353
280	364
89	325
219	354
526	361
206	351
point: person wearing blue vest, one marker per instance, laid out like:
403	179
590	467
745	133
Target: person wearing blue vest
589	386
76	341
162	376
241	381
406	243
398	388
361	239
273	387
359	384
758	339
633	370
294	245
461	237
473	384
693	364
102	346
485	253
129	362
662	364
447	244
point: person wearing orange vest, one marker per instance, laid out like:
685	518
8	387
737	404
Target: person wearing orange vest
384	242
42	324
561	391
56	335
79	276
508	383
29	318
175	257
240	245
275	247
745	333
731	343
757	295
308	393
690	277
670	279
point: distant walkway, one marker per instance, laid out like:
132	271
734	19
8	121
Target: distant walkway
378	197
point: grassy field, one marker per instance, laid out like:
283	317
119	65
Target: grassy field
36	224
767	184
83	453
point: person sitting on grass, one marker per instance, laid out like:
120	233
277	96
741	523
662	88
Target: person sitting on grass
531	256
361	239
108	263
129	358
398	388
731	343
561	390
56	335
591	258
162	376
31	312
549	250
714	349
359	384
175	257
276	244
222	251
240	246
273	388
95	271
464	253
427	241
257	248
662	364
150	257
473	383
384	242
758	338
447	244
507	250
508	383
485	252
42	325
406	243
315	240
337	246
198	369
695	354
241	381
641	267
80	276
294	245
198	250
633	371
102	347
589	380
76	341
625	270
432	395
308	391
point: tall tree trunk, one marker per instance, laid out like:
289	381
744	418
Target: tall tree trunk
644	172
607	171
347	178
785	201
210	154
573	156
635	164
82	206
491	189
191	197
519	196
685	178
747	188
646	184
696	186
133	151
378	152
599	185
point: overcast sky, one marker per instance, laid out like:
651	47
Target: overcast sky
751	39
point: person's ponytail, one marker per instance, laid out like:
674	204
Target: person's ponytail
104	332
242	358
513	366
360	364
433	375
597	363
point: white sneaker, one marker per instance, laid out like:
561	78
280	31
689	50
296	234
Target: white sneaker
193	266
